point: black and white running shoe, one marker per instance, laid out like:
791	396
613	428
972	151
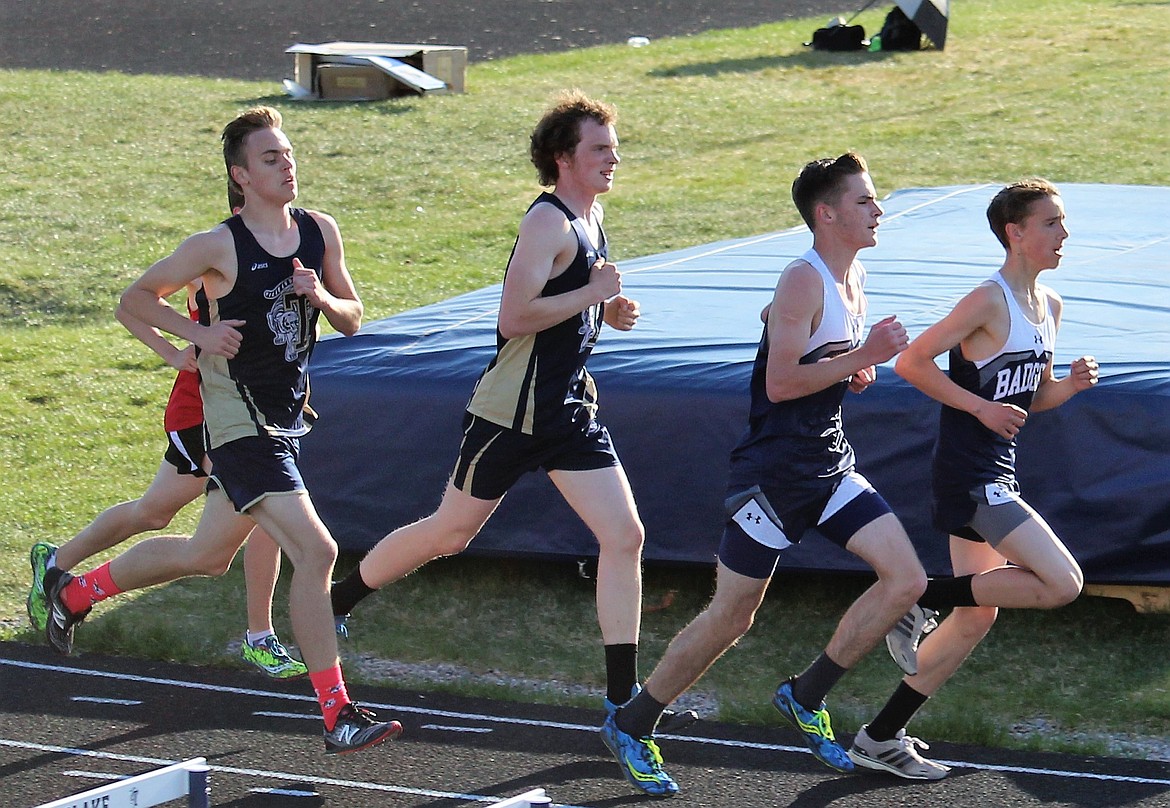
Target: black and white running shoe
61	622
356	729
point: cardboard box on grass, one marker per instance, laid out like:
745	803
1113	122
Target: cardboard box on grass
374	70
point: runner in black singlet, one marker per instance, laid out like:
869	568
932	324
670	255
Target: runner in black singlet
266	274
535	405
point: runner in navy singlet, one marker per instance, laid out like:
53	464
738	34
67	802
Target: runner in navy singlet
794	469
1000	340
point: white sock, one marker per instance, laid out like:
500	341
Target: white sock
254	637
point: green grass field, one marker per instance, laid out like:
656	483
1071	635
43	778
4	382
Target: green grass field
428	193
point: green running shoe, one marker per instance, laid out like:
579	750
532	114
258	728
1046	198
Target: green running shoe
37	604
270	656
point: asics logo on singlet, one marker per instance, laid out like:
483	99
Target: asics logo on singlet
1025	378
261	265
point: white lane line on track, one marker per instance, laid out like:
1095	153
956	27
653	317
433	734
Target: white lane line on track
294	778
447	728
304	717
95	775
1072	774
96	700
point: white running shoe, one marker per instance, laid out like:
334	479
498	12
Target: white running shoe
903	639
898	755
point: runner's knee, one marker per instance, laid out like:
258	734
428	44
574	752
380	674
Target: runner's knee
150	516
627	541
1063	590
973	622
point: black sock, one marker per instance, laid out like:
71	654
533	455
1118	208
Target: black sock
348	593
947	593
811	687
621	671
640	716
897	713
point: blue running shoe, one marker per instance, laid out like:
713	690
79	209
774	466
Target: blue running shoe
640	760
670	723
340	627
815	727
37	602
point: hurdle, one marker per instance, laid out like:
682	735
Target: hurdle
529	799
186	779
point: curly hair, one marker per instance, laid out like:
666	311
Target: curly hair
559	131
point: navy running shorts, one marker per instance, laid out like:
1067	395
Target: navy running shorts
249	469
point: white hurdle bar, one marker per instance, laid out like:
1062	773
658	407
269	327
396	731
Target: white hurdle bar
529	799
187	779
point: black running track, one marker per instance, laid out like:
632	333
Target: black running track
246	38
69	725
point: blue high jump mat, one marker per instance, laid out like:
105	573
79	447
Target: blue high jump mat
674	392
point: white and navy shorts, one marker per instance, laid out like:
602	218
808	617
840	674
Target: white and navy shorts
763	522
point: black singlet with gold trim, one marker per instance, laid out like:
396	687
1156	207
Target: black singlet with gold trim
537	383
263	389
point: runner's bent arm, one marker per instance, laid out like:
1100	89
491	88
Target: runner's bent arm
1082	373
546	244
209	255
970	318
334	293
796	309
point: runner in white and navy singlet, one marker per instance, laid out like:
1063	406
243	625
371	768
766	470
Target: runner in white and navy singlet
794	469
969	457
805	432
1000	339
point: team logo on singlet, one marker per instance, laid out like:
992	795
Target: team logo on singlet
590	327
1023	378
288	319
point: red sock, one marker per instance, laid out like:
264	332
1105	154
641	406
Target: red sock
331	693
86	590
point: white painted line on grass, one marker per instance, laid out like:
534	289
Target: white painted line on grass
1072	774
284	792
